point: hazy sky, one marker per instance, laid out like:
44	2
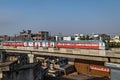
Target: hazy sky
60	16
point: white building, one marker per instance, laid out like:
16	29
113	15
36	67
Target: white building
67	38
117	37
58	38
76	38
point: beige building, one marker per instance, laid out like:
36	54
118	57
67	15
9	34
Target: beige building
67	38
115	39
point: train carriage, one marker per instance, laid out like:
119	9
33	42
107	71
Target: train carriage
13	43
80	44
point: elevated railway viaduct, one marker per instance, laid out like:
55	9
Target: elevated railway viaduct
95	62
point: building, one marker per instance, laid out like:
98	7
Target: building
31	71
81	37
58	38
41	35
77	38
115	39
1	38
24	35
4	38
68	38
94	36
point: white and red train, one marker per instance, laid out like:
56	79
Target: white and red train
82	44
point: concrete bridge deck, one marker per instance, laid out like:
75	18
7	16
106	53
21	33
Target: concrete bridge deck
112	56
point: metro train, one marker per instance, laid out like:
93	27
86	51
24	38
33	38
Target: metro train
80	44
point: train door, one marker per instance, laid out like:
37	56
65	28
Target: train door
101	45
52	44
30	44
25	44
44	44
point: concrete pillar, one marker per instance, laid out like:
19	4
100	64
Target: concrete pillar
114	71
1	75
31	58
